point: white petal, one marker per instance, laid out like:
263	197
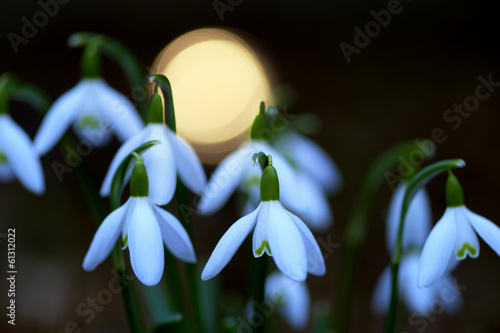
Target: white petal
315	261
105	238
309	156
228	244
175	236
438	249
382	293
316	211
294	294
120	155
448	292
466	241
145	243
417	223
160	166
488	230
188	164
60	115
286	244
21	155
418	300
260	241
224	180
124	118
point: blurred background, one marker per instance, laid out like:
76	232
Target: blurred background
396	87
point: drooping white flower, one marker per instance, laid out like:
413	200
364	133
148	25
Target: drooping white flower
453	236
290	297
164	161
417	223
96	111
144	227
18	156
235	170
421	301
308	157
317	176
277	232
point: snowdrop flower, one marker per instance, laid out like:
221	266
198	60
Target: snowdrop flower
453	236
18	156
417	223
277	232
416	229
316	175
301	150
235	171
163	161
95	110
291	298
420	301
144	228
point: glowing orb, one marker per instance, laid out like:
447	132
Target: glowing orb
217	84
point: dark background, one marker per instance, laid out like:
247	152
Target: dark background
397	88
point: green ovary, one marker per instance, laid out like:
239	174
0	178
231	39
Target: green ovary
3	158
264	245
468	248
88	121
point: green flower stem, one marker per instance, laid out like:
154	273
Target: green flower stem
259	284
191	270
182	204
166	90
119	53
91	62
355	232
416	183
4	96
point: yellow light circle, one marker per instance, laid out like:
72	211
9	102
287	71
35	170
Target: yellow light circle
218	83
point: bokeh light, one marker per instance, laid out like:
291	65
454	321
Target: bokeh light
218	82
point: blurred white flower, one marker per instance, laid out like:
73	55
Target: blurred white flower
236	170
95	109
291	298
163	161
417	223
18	156
421	301
316	176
